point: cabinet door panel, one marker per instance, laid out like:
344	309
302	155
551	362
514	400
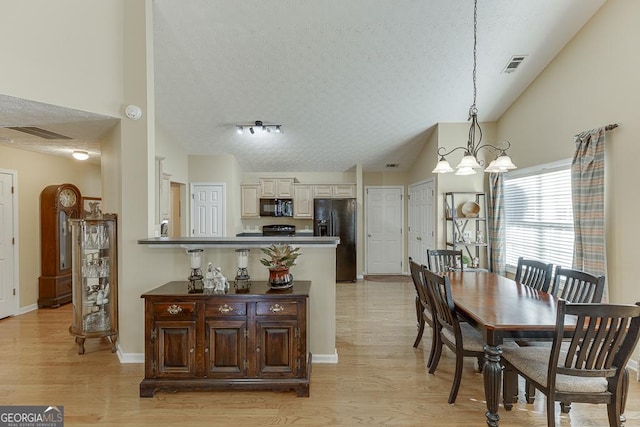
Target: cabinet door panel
276	348
227	348
176	348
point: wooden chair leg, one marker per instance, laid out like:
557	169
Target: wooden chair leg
624	390
434	344
509	388
436	355
420	332
457	378
529	392
551	411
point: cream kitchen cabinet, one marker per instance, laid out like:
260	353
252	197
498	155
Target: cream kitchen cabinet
276	187
302	201
250	201
334	190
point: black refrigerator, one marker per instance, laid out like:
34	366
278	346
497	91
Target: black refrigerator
337	217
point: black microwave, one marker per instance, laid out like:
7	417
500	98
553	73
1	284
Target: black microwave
276	207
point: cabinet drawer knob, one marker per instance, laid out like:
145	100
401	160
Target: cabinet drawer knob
225	308
174	309
276	308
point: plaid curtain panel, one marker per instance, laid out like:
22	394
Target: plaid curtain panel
497	223
587	187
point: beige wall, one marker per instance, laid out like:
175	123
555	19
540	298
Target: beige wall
592	82
34	172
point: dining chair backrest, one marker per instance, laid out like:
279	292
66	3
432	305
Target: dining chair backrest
416	276
534	274
577	286
600	345
440	260
441	300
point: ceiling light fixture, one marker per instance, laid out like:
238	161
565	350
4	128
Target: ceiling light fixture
469	162
80	155
258	125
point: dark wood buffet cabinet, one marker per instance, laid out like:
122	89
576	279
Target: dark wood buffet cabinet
205	341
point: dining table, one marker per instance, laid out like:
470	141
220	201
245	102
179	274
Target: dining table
500	309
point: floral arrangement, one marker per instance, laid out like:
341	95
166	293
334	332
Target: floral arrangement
280	256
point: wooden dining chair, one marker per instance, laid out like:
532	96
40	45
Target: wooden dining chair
589	366
573	286
534	274
423	308
440	260
577	286
459	337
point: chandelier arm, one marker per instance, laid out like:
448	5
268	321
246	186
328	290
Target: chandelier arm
494	148
466	149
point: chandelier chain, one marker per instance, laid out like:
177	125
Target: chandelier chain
475	51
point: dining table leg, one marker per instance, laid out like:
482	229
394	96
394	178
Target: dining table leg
492	374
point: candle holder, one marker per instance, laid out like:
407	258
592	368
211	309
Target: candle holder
195	278
242	282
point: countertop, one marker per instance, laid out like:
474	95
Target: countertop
239	242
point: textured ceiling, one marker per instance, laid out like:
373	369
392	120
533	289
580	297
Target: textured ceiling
350	81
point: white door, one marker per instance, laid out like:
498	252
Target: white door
207	210
385	230
421	220
8	301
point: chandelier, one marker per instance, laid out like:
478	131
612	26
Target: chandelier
258	126
469	162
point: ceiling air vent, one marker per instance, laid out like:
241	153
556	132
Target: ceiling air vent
42	133
392	165
513	63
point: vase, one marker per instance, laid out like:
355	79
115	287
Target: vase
280	278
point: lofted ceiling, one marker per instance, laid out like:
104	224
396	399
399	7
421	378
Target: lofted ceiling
350	81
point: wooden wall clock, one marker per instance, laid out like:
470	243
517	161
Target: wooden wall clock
58	203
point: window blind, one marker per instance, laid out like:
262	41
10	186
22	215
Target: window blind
539	216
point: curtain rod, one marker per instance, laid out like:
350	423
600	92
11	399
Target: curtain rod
611	126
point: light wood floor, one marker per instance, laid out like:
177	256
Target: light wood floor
380	378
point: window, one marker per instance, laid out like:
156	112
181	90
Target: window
539	215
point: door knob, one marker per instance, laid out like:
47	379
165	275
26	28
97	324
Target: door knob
419	238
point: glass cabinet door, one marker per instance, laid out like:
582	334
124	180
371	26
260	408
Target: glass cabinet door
94	280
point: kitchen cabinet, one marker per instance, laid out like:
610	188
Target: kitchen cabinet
95	280
250	201
276	187
302	201
334	191
203	341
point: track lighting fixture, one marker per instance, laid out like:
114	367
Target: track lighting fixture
259	126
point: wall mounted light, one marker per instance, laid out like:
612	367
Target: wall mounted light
80	155
258	126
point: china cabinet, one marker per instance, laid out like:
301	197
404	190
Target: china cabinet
467	226
95	280
58	204
226	340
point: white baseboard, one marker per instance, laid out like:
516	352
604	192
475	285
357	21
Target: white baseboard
28	308
325	358
130	357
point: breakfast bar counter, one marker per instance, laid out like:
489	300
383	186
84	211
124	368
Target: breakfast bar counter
316	265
